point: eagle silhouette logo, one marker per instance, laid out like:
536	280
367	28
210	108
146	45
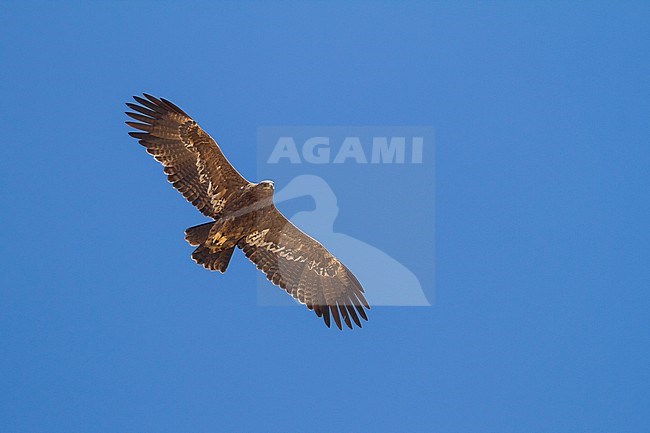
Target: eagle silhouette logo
243	216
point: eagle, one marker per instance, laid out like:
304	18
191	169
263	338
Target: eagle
243	216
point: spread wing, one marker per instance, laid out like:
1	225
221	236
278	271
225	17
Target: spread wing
305	269
193	162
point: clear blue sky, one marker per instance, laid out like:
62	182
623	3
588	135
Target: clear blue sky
540	322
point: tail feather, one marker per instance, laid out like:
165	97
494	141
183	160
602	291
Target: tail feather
198	234
214	261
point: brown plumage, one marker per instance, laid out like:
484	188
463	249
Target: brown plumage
244	216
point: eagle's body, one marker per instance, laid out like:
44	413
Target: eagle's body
244	216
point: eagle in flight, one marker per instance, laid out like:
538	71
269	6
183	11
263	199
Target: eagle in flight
243	215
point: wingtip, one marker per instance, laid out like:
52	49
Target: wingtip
346	317
326	314
353	314
174	107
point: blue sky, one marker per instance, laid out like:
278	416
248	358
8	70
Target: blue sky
540	208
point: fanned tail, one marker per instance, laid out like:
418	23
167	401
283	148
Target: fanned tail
215	261
198	234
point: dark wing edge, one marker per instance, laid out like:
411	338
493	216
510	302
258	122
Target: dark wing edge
280	257
192	160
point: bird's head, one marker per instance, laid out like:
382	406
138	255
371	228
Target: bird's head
263	189
267	185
